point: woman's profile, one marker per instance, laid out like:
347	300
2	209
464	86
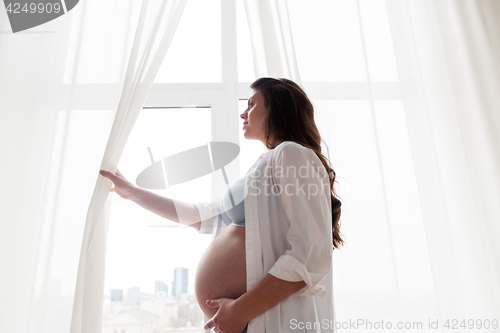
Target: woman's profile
269	266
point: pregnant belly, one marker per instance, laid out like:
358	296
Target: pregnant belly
221	271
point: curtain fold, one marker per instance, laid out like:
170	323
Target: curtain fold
151	43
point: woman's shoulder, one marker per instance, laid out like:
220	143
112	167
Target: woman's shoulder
289	151
291	147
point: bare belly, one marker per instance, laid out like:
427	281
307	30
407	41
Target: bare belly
221	271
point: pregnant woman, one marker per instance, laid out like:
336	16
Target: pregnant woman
273	229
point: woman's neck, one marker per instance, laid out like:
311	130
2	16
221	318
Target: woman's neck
274	144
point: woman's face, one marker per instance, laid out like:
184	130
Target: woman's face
253	117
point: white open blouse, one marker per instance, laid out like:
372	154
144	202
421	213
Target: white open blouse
288	234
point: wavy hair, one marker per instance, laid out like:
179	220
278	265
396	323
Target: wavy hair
290	117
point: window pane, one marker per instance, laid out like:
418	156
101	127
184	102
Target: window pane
246	72
144	247
328	43
402	196
378	41
195	52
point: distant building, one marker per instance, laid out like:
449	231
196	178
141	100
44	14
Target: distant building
180	281
161	289
134	295
117	295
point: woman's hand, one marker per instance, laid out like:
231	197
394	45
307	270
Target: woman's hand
228	319
123	187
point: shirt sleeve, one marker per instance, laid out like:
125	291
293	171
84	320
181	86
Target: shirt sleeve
211	219
305	197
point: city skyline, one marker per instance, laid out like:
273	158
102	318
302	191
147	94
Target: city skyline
131	293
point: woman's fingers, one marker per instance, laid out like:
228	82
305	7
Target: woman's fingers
108	175
122	186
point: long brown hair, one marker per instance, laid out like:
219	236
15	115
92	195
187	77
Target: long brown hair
290	117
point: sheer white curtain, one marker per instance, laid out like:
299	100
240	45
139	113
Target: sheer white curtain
447	53
66	88
157	24
424	246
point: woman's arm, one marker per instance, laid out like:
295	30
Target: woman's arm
266	294
234	314
165	207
